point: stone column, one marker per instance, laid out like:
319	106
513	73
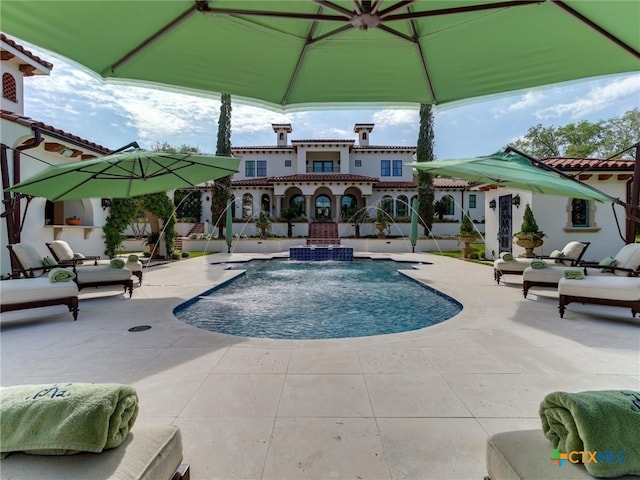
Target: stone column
307	207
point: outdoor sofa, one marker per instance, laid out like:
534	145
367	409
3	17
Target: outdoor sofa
38	292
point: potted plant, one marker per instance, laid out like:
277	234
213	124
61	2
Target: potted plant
152	241
467	233
73	220
381	222
530	236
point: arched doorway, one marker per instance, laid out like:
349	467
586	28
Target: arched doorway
323	208
265	204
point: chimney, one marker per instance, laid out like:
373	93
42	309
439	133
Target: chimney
281	129
363	130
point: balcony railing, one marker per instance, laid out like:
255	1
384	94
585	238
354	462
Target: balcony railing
323	170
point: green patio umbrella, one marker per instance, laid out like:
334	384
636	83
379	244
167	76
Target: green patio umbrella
509	169
126	174
413	235
295	54
228	229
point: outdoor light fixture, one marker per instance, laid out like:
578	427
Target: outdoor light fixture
106	203
515	201
66	152
492	204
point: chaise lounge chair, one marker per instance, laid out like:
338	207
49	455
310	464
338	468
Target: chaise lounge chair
571	254
65	255
38	292
616	284
30	264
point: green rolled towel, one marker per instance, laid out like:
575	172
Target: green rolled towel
79	257
573	274
606	422
506	256
62	419
537	264
117	263
61	275
133	258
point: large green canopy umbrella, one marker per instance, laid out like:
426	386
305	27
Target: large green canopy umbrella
284	53
126	174
511	170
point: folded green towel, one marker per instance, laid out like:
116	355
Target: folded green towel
573	274
506	256
62	419
537	264
49	262
117	263
606	422
61	275
133	258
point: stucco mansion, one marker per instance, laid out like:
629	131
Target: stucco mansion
329	180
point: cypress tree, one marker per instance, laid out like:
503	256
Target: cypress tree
424	153
221	192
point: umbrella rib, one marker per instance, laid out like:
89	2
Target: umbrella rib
325	3
454	10
153	38
262	13
596	27
423	62
387	11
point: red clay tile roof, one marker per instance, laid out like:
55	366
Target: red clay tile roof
21	49
578	164
437	182
60	134
324	177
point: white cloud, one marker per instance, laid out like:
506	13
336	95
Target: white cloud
389	117
596	99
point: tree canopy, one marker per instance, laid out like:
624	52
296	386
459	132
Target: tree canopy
602	139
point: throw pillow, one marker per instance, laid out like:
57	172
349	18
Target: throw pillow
557	254
49	262
607	262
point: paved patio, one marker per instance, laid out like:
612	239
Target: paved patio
414	405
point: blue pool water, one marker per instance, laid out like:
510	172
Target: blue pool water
312	300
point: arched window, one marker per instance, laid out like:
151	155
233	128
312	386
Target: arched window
265	204
386	204
323	207
297	203
247	205
9	88
402	206
450	205
349	206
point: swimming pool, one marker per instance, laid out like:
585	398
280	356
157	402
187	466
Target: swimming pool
312	300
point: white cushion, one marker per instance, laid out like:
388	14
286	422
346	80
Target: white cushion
550	274
602	286
28	257
515	265
101	273
35	289
150	452
573	250
628	257
62	250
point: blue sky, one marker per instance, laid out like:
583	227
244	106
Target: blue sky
113	115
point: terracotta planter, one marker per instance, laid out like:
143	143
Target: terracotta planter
528	242
73	221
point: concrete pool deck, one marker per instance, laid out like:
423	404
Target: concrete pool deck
413	405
